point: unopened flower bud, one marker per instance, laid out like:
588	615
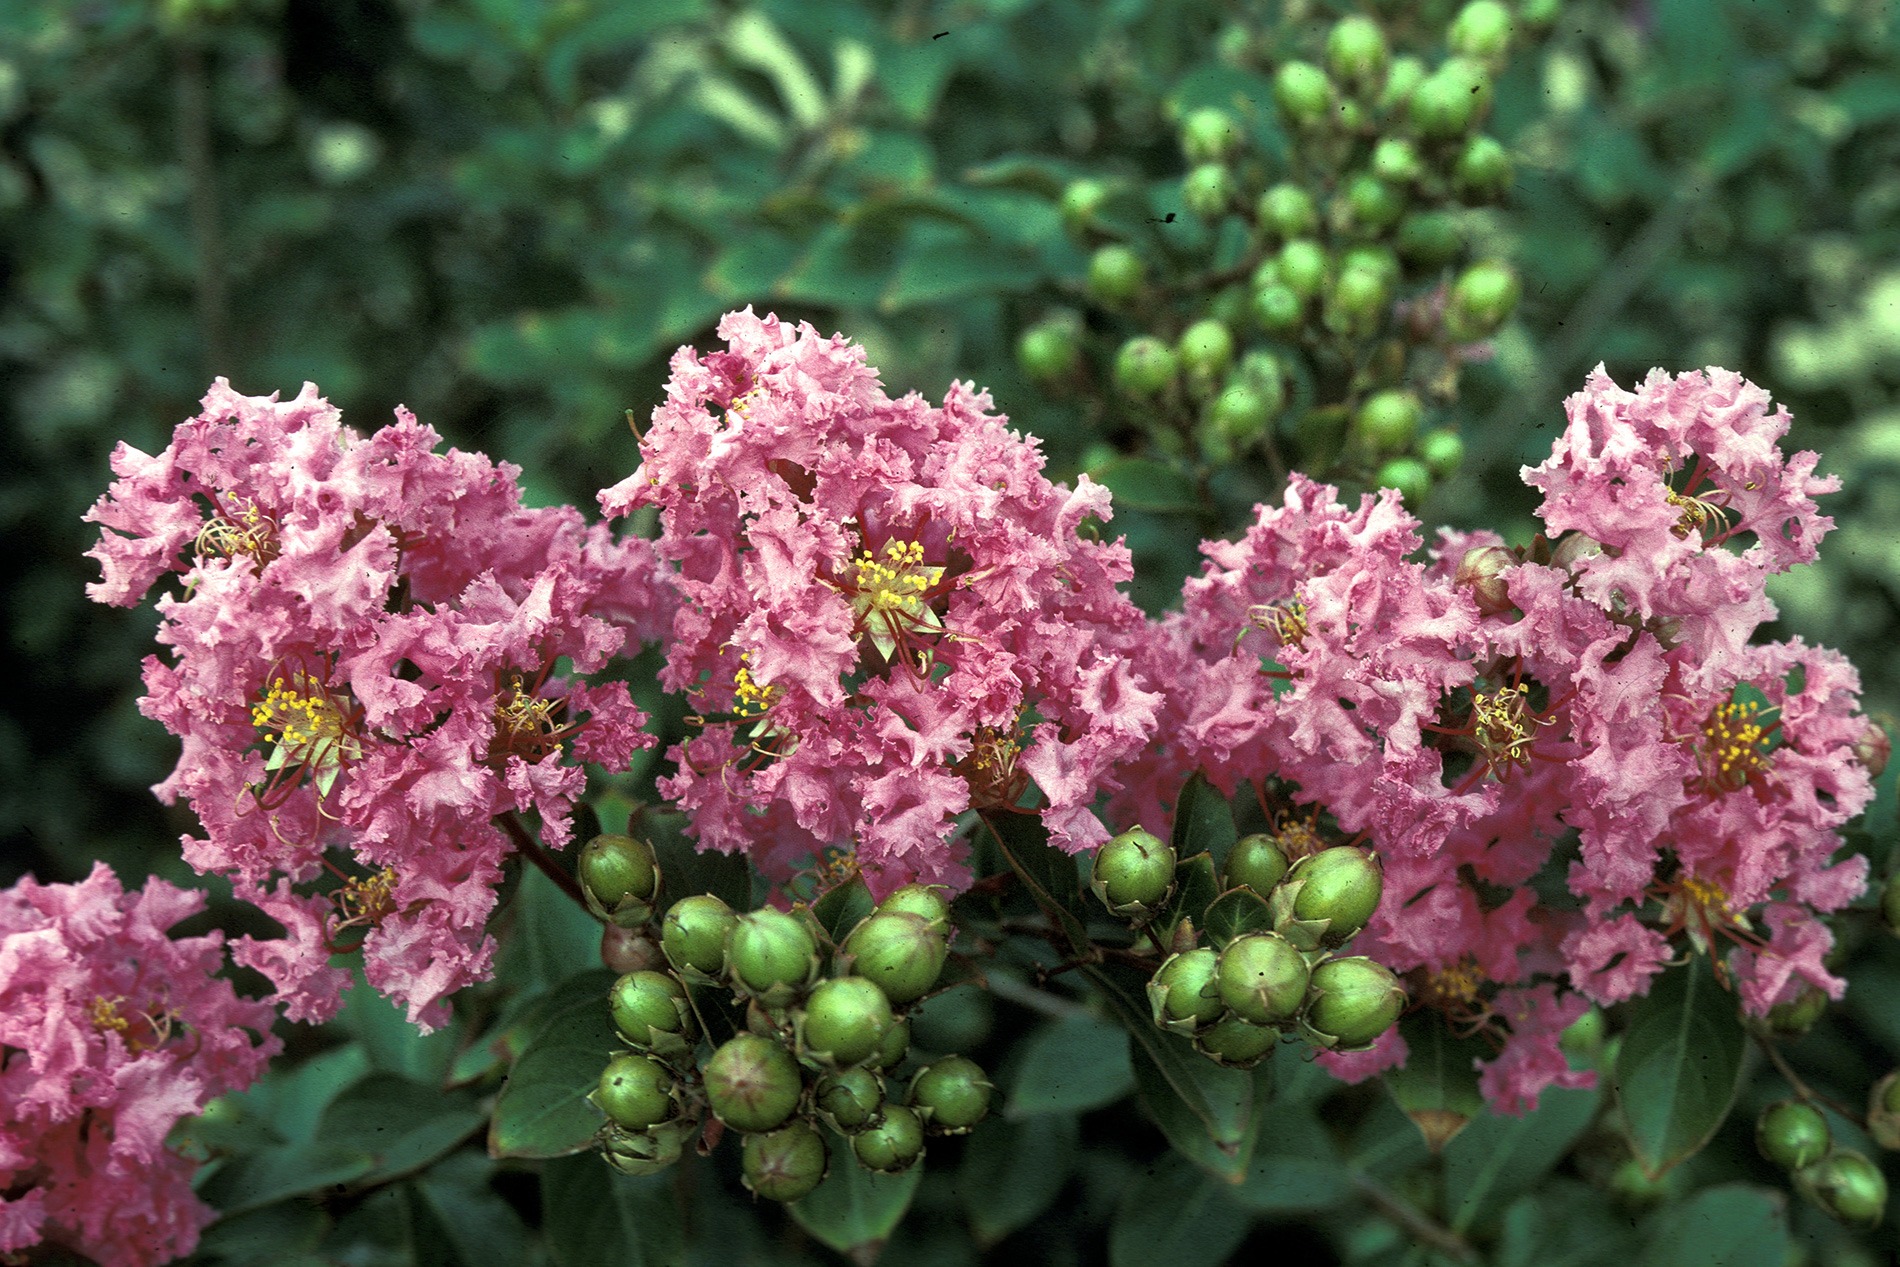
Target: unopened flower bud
894	1144
1286	211
771	955
1847	1186
629	949
1873	749
1356	51
1209	190
1145	366
752	1083
1442	452
850	1099
951	1095
1350	1003
694	933
1262	978
1081	202
1304	94
1051	349
1209	135
1372	205
1395	161
1327	897
1256	861
1356	303
1116	275
899	952
1483	171
1408	476
1388	421
1481	300
652	1012
1237	1042
1133	873
844	1020
786	1164
1404	77
1482	30
620	877
636	1092
1184	993
1883	1111
1573	548
1206	349
1303	267
1450	99
1481	572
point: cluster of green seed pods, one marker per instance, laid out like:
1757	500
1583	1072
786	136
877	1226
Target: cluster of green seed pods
1794	1135
1278	970
819	1040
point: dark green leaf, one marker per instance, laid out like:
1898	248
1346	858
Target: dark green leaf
1195	888
1070	1065
594	1214
1296	1168
1234	914
684	869
1565	1224
1011	1171
855	1210
1729	1226
551	937
839	910
521	1020
473	1218
1175	1215
1144	484
542	1111
1438	1087
287	1159
940	263
1203	821
1049	874
1679	1066
392	1042
401	1125
1497	1157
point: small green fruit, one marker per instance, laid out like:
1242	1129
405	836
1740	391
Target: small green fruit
1145	366
1262	978
900	952
894	1144
1327	897
620	878
693	935
651	1011
1408	476
1287	211
1051	349
1450	99
1256	861
1430	239
785	1164
1847	1186
1209	190
951	1095
1443	452
1483	171
1116	275
1209	135
1356	303
1183	992
896	1046
1883	1111
1303	267
636	1092
1395	161
1206	348
1081	202
1278	309
1406	74
1350	1003
1800	1014
1237	1042
1304	94
1133	872
850	1099
1388	421
752	1083
1373	205
926	900
1356	51
1482	30
1792	1134
1481	300
845	1020
771	955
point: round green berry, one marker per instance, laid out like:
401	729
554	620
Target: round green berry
620	879
786	1164
636	1091
1081	202
1304	94
1443	452
1209	135
1430	239
649	1008
1792	1134
1404	77
951	1095
1287	211
1145	366
1450	99
1482	30
1481	300
1256	862
752	1083
1133	869
771	954
1350	1003
1262	978
1356	51
850	1099
1356	302
896	1046
1388	421
926	900
1051	349
1116	275
1303	267
1237	1042
1373	204
1339	889
1395	161
894	1144
1483	171
1209	190
1277	309
844	1020
1847	1186
1408	476
693	934
900	952
1183	993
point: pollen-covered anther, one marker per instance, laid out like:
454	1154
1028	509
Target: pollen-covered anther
365	901
1456	991
140	1032
527	726
1734	747
1701	908
750	698
990	769
242	529
891	592
1285	620
312	729
1504	725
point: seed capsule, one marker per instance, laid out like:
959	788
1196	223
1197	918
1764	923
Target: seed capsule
693	935
951	1095
1350	1003
771	955
1133	873
636	1092
894	1144
900	952
844	1021
1792	1134
752	1083
785	1164
1183	992
619	878
1262	978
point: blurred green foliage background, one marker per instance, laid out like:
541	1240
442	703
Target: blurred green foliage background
506	214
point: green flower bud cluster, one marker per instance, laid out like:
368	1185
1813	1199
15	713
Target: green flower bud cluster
1283	976
1335	284
1794	1135
823	1032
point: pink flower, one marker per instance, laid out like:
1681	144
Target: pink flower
877	595
111	1032
362	675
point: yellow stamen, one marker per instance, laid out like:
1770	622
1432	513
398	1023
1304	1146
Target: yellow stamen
366	900
1504	725
1286	620
1735	746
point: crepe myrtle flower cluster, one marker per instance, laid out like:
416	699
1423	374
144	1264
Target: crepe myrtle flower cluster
890	616
363	670
110	1032
1484	714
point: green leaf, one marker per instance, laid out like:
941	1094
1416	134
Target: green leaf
1297	1169
287	1159
1498	1157
1565	1224
1679	1066
399	1124
521	1020
842	906
1178	1216
1071	1065
594	1214
542	1111
855	1210
684	869
463	1213
1203	821
1195	888
1049	874
1144	484
552	937
1729	1226
1012	1171
392	1042
1234	914
941	263
1438	1087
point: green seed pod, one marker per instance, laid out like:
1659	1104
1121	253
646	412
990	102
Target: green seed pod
1133	873
620	878
771	956
1792	1134
636	1092
1408	476
1327	897
1483	170
1304	93
1183	993
1235	421
1406	74
1430	239
1450	99
1262	978
1395	161
1287	211
1116	275
1206	348
1349	1003
1482	30
1145	366
894	1144
899	952
1481	300
1303	267
926	900
1388	420
896	1046
951	1095
1236	1042
1356	303
785	1164
1883	1111
1800	1014
1262	371
849	1100
1374	258
1209	190
1256	862
1356	52
1209	135
843	1021
1051	349
652	1012
1443	452
1372	205
1081	202
645	1152
1278	310
1539	15
752	1083
693	936
629	949
1847	1186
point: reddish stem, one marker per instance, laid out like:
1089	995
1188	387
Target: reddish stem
532	850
